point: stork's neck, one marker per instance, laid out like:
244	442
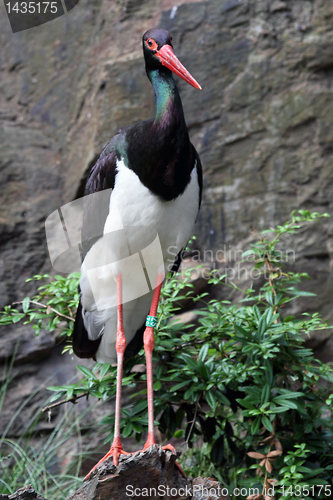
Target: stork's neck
159	151
169	109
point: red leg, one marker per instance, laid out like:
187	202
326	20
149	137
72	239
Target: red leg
116	448
149	344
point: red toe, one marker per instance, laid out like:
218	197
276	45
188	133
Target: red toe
115	452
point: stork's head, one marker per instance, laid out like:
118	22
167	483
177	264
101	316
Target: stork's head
158	52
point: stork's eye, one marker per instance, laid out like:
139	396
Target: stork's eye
151	44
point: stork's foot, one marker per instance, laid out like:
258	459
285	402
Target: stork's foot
173	450
151	441
115	452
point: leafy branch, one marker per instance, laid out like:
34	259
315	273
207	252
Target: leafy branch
240	379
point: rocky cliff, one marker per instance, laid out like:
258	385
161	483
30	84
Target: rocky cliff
262	126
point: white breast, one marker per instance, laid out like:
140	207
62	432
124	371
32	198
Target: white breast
137	220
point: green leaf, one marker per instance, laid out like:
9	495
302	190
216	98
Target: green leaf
159	371
245	402
54	388
269	298
256	313
128	429
178	434
300	293
17	317
242	331
188	393
267	423
268	315
25	304
259	264
255	426
203	352
190	362
139	407
88	373
278	409
222	398
203	370
210	398
157	385
286	394
284	402
248	252
250	347
266	391
262	327
269	375
105	368
180	385
137	426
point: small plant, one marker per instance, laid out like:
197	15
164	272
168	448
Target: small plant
241	380
53	307
35	457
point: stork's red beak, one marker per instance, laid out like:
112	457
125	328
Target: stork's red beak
168	59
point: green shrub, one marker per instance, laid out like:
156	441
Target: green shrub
240	381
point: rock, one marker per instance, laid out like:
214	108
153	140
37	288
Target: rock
324	350
26	393
25	493
231	4
277	6
21	341
150	474
208	489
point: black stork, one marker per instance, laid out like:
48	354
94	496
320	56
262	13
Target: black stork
153	179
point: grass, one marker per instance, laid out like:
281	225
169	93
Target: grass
41	458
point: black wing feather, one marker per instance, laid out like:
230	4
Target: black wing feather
200	181
83	347
101	177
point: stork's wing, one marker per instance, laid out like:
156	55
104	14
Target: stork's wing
199	170
96	208
101	178
83	347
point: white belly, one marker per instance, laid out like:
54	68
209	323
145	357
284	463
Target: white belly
142	236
